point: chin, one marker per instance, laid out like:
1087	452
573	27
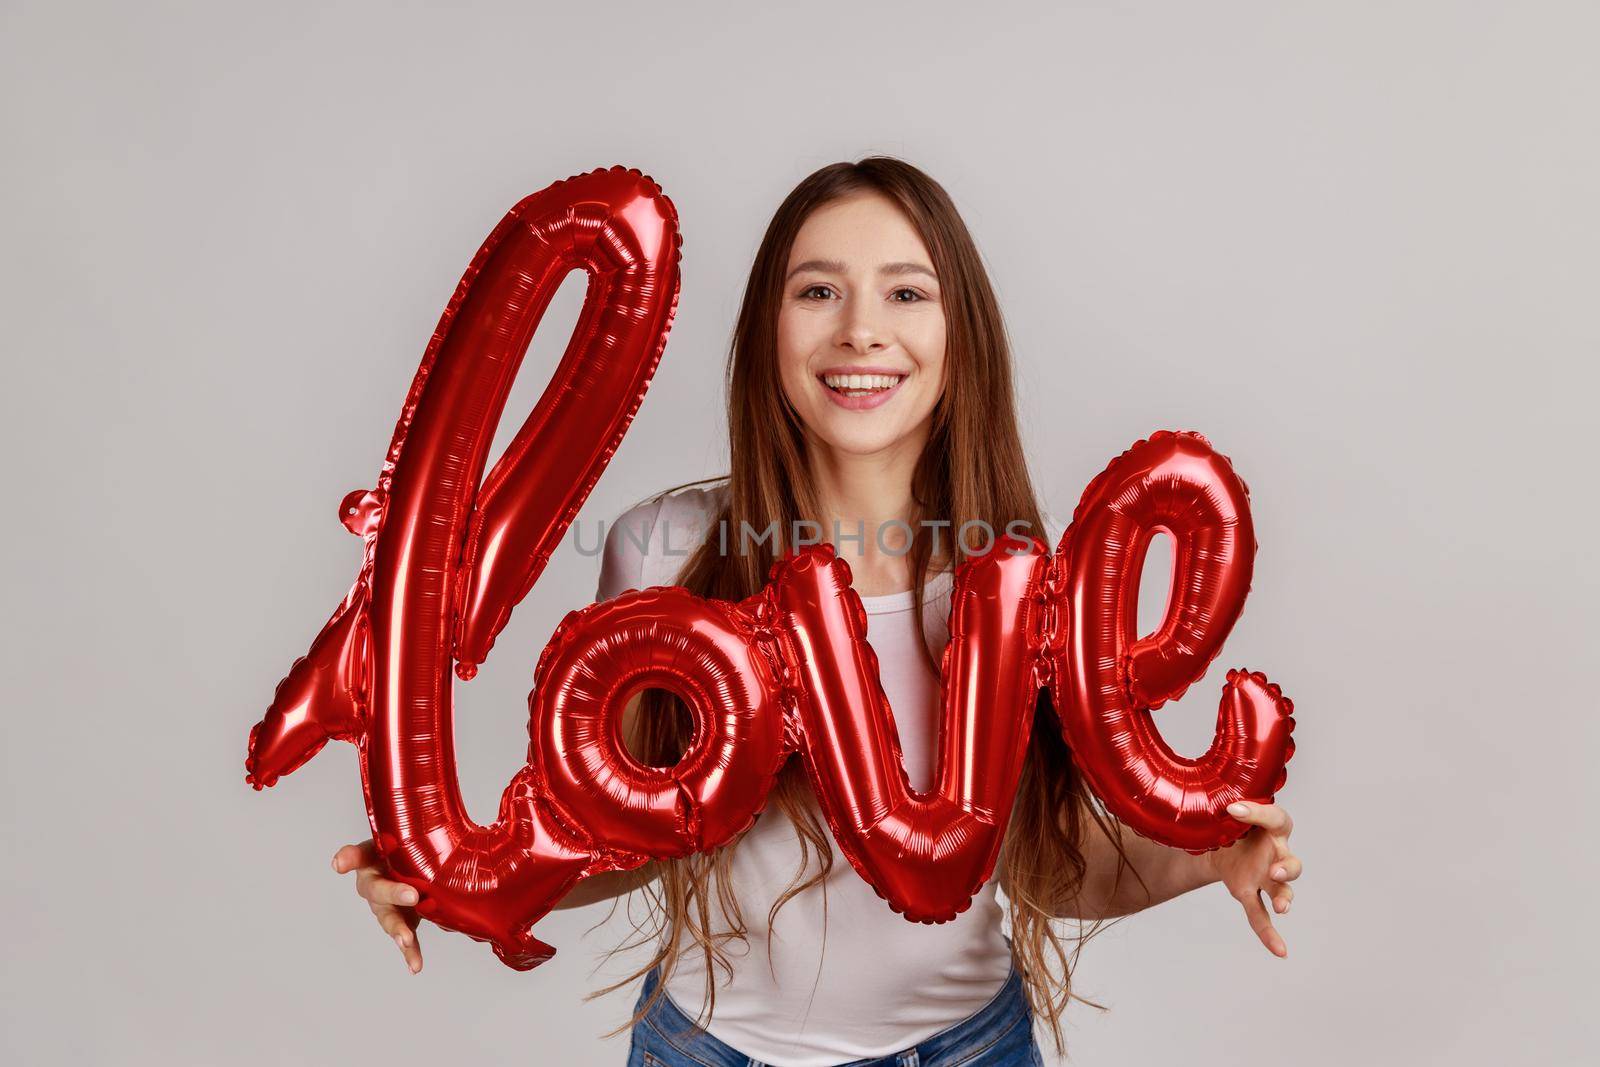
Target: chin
858	440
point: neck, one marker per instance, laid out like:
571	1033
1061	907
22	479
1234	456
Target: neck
863	494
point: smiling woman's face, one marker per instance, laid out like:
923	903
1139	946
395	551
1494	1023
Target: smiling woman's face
861	328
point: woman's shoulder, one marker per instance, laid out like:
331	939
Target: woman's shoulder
694	505
650	542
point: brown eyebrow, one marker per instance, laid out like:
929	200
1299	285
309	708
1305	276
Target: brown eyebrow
907	268
834	266
825	266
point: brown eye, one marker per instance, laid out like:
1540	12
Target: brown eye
814	292
903	292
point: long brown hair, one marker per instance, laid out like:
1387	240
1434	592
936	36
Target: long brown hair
972	470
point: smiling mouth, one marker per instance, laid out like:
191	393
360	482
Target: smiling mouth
861	385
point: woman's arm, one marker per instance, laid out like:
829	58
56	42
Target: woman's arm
1112	888
1260	861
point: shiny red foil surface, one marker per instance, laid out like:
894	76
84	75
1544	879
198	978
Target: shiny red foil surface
448	554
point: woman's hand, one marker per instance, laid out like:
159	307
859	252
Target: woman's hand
391	902
1258	862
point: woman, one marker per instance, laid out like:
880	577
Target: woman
869	393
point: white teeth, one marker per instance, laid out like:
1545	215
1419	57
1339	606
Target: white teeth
868	382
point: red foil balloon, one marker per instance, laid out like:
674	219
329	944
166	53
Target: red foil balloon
379	674
1106	678
702	650
445	562
927	854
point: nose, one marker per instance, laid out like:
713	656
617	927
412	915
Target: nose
859	330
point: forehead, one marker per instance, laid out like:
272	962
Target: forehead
861	231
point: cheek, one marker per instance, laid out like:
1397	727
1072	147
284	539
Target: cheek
791	371
927	347
794	353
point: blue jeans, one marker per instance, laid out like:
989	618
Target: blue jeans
999	1035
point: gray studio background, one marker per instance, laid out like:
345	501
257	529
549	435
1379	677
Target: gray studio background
1355	243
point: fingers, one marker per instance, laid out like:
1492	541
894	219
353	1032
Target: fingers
354	857
1283	872
1283	868
371	885
1261	923
1274	820
389	900
401	926
1286	869
376	889
1269	817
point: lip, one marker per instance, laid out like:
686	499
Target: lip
862	368
862	403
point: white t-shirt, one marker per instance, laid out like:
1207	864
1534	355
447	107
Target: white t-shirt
873	982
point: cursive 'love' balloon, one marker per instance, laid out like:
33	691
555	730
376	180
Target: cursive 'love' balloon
787	670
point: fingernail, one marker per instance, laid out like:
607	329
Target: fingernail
1278	872
408	896
1238	809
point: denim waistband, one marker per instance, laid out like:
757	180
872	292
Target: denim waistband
962	1042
